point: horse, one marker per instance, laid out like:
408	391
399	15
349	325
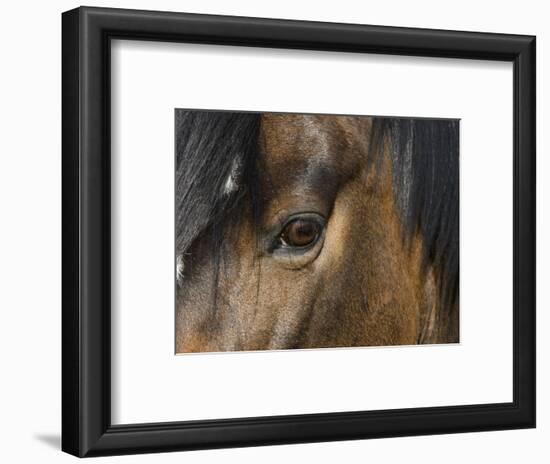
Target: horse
298	231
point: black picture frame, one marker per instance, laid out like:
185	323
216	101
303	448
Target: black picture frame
86	380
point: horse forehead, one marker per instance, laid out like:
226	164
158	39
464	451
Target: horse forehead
298	139
309	143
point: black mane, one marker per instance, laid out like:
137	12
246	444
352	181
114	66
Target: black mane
211	146
425	156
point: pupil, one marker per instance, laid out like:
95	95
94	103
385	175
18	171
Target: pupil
303	230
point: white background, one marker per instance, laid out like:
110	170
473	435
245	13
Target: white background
30	236
150	384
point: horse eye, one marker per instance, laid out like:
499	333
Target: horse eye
300	233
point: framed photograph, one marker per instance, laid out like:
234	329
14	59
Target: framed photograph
285	231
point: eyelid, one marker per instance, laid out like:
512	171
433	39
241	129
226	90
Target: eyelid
302	215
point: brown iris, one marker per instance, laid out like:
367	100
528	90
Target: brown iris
300	233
